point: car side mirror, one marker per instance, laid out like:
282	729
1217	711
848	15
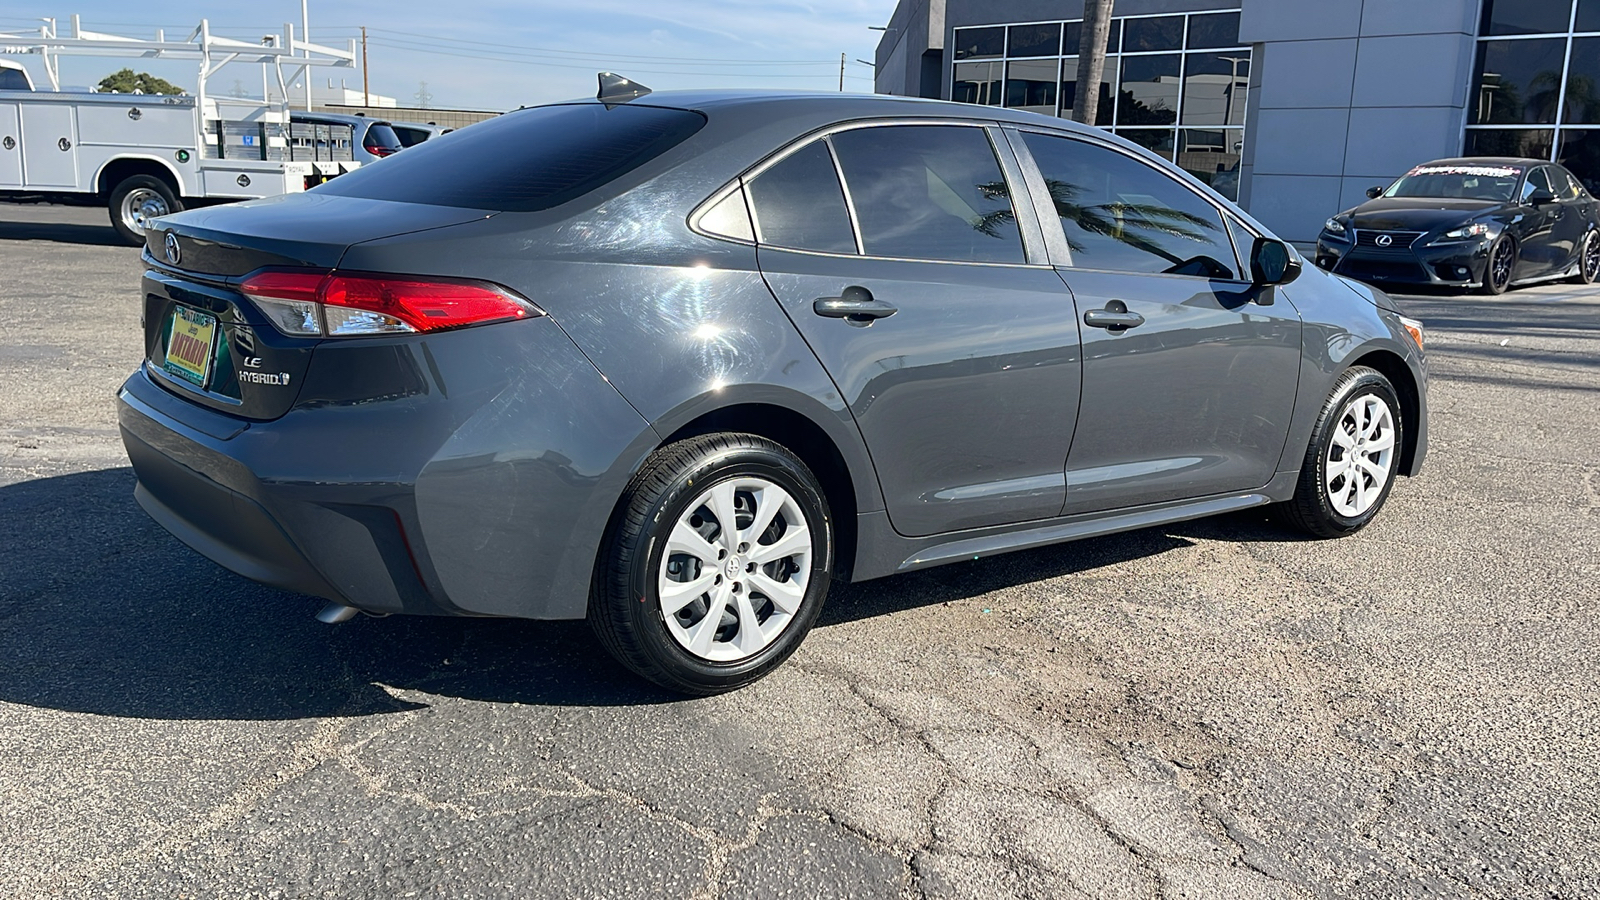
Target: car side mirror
1272	262
1374	193
1540	197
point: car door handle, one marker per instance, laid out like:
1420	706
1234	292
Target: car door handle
1114	317
855	305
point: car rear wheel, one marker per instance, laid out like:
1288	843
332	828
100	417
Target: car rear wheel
1351	462
136	201
1501	266
1589	259
716	566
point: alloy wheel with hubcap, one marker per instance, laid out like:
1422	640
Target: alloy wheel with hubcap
717	563
137	201
1352	459
140	206
1589	260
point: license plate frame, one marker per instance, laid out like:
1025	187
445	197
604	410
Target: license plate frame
193	334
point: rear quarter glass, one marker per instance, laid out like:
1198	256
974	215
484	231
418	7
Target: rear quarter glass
525	161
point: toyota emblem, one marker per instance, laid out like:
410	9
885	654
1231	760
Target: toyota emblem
1383	240
173	252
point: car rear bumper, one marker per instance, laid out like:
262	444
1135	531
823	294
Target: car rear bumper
484	492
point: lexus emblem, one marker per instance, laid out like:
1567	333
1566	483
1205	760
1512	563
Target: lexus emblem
1383	240
173	252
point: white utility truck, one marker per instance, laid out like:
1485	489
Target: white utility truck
147	155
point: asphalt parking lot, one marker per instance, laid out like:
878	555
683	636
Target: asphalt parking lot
1216	709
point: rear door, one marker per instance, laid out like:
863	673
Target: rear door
1189	371
49	146
957	355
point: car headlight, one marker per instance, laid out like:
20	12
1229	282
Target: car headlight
1465	232
1333	226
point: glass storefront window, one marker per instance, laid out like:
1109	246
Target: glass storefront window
1069	90
977	83
1212	155
1031	85
1525	16
1161	33
1530	142
1518	82
1214	87
1588	16
977	43
1219	30
1034	40
1157	140
1580	153
1582	104
1148	94
1072	37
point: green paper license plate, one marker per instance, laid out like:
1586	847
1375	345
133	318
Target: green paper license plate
189	345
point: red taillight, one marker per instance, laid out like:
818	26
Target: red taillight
339	304
382	151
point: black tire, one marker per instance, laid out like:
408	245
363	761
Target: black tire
119	195
624	606
1502	259
1588	259
1310	509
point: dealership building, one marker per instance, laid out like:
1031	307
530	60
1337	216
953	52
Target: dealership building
1292	107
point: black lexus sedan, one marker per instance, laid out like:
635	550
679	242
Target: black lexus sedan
1488	223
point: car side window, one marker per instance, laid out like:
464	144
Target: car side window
1536	181
931	192
1123	214
798	203
1562	182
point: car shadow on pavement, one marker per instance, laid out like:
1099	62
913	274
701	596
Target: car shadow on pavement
15	227
103	612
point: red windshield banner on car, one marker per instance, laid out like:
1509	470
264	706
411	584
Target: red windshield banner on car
1484	171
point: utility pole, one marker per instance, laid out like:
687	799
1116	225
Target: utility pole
305	31
841	73
366	92
1091	60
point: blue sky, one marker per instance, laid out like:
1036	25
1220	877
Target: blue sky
499	55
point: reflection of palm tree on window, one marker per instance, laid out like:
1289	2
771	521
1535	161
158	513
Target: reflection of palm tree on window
1583	104
1133	224
1545	89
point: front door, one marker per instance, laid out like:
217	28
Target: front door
958	358
1189	371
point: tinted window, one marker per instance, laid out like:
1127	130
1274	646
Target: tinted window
799	204
526	160
1536	182
1031	85
1121	214
977	83
929	192
1034	40
974	43
1221	30
12	80
382	137
1072	37
1163	33
1525	16
1583	77
1518	81
1149	90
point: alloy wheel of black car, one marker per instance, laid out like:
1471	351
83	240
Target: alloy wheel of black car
1589	260
717	565
1502	262
1352	459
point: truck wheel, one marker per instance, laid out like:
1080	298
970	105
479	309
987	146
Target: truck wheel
135	201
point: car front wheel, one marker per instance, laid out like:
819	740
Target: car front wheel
717	565
1352	459
1501	265
1589	259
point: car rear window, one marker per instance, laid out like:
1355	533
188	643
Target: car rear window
524	161
381	135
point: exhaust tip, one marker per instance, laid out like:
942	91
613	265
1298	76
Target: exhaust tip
334	613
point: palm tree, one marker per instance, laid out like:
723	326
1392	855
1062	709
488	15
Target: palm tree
1091	59
1129	223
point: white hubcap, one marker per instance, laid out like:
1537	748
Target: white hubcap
1360	456
735	569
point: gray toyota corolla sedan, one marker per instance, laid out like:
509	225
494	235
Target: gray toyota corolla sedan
673	362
